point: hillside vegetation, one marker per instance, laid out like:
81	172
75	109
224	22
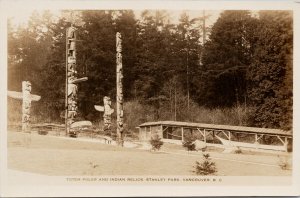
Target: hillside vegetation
242	75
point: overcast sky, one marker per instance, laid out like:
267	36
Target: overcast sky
21	17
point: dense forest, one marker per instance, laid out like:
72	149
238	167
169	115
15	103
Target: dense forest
241	75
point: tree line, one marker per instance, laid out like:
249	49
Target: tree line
245	62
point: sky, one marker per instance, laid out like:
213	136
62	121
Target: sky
21	17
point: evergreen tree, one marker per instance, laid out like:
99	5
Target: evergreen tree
270	73
53	75
186	53
226	58
96	54
150	51
28	51
14	58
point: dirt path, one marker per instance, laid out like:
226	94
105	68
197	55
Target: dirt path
60	156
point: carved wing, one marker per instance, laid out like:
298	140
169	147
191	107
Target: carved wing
15	95
99	108
79	80
35	97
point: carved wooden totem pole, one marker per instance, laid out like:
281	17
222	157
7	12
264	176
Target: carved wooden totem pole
26	89
71	78
26	104
107	112
120	118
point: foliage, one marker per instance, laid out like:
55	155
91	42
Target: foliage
238	150
284	163
246	66
206	167
270	73
226	57
156	142
188	143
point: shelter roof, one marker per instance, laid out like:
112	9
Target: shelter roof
219	127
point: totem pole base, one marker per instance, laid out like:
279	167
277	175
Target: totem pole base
27	139
120	142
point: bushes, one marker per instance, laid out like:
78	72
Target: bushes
136	113
238	150
284	163
206	167
156	143
188	143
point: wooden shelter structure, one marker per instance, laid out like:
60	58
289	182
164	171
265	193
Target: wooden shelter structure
226	135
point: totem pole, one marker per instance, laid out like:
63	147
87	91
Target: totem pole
107	112
26	104
119	90
26	89
71	79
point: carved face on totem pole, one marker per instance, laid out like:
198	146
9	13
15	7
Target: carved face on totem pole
72	91
107	112
71	32
119	42
27	86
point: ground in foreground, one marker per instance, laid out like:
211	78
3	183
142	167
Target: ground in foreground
59	156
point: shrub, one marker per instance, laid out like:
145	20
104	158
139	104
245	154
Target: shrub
42	132
156	142
188	143
284	163
206	167
238	150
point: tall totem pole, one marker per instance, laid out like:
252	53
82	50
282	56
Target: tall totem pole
71	79
120	127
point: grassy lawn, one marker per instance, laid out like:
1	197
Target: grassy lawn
57	156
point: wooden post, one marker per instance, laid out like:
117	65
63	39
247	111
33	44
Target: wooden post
182	139
286	144
119	90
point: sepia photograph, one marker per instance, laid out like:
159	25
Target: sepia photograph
181	96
